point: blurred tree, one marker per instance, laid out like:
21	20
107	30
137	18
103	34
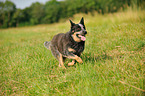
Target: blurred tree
1	14
27	15
18	17
52	11
9	9
36	13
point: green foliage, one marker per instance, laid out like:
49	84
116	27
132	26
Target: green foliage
36	13
53	10
18	17
113	59
7	10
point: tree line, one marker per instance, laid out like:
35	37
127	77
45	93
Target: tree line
53	10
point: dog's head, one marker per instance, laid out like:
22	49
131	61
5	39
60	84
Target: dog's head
78	31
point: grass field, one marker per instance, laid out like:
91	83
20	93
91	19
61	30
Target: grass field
114	58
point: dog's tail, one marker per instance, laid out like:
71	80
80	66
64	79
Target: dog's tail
47	44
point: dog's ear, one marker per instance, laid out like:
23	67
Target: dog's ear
72	24
82	21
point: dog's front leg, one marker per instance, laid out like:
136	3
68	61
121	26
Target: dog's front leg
75	57
70	55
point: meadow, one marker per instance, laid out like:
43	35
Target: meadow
114	58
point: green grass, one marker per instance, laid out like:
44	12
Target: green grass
114	58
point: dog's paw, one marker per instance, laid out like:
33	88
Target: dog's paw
71	63
79	60
61	66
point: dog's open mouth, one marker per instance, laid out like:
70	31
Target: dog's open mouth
83	38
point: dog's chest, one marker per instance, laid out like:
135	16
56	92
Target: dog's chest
78	47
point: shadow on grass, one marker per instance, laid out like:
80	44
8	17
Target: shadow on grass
95	58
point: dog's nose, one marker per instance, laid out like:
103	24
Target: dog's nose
85	32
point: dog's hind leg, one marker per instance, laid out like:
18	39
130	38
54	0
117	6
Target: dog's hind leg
58	56
60	59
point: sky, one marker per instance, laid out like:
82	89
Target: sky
25	3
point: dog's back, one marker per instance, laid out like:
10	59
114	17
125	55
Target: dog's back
56	41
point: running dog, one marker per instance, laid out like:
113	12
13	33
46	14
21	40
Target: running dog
68	45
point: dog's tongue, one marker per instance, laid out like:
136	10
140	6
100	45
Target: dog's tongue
83	38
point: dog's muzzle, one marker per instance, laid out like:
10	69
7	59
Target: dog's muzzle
82	35
84	32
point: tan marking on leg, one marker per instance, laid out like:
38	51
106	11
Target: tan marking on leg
71	63
59	65
61	61
78	59
71	50
75	37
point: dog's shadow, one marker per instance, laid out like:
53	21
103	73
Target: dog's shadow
87	57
